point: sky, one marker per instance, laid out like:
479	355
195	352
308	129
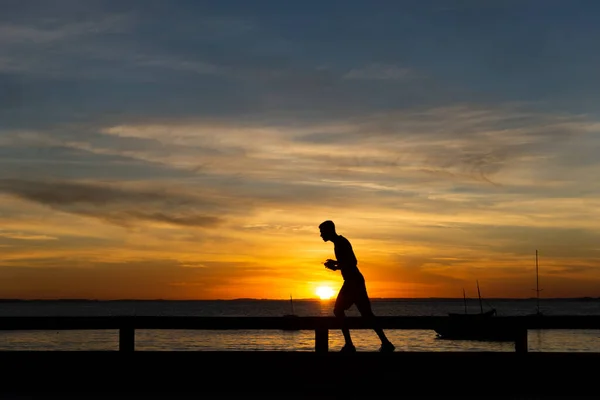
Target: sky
189	149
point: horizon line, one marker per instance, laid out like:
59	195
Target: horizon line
302	299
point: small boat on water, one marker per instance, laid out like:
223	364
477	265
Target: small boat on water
474	326
291	319
538	312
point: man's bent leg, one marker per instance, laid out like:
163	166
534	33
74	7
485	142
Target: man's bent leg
363	304
342	303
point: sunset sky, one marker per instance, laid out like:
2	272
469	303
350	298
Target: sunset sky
189	149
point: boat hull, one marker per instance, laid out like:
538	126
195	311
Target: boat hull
474	327
291	322
470	332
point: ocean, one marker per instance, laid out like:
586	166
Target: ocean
269	340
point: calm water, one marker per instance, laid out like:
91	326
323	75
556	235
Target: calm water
365	340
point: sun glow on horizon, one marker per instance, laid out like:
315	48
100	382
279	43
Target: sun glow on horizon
324	292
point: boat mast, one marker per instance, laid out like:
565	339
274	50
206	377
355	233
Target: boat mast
537	282
465	299
292	304
479	294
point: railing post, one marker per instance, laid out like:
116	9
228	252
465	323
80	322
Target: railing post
321	340
521	340
126	339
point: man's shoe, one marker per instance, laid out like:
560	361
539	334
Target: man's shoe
387	348
348	348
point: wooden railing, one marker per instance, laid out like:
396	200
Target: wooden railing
127	325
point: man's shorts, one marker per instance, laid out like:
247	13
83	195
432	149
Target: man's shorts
353	292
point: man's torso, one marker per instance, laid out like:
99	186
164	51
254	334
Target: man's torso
344	254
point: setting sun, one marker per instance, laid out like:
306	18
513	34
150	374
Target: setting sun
324	292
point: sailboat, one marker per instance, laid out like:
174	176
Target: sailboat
291	318
537	289
473	326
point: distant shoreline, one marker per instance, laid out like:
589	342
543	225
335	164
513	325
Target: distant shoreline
407	299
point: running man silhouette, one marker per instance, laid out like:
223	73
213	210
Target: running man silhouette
354	289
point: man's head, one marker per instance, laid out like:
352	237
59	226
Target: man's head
327	229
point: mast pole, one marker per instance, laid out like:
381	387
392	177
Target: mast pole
479	294
537	282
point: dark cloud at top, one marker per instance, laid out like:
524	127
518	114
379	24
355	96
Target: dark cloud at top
111	59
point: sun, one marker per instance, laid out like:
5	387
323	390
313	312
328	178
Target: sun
324	292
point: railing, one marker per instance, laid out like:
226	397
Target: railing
320	325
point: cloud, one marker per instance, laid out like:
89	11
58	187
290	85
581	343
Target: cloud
198	67
378	72
25	236
45	47
54	31
465	164
115	204
461	159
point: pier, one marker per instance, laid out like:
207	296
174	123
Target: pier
309	373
